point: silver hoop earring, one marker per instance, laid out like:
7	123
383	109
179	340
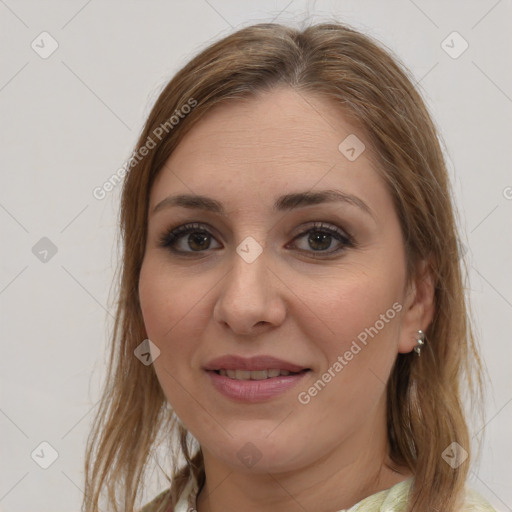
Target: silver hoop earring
420	341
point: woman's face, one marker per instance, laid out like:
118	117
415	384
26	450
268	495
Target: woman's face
270	269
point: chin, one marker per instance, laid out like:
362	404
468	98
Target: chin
257	454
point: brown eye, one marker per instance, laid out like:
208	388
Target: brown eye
198	239
322	237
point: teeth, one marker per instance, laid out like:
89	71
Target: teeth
256	375
253	375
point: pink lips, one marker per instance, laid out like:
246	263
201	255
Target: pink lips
253	390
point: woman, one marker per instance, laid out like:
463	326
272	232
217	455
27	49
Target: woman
291	301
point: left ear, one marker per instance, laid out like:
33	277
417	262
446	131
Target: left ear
418	308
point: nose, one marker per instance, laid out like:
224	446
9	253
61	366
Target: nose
250	297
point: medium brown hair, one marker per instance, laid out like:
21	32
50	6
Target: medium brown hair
424	395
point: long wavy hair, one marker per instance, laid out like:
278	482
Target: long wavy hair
425	409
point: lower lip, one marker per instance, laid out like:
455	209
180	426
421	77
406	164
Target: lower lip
254	390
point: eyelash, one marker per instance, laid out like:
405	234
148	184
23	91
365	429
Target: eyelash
170	238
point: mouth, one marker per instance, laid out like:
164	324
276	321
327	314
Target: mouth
254	379
257	374
254	368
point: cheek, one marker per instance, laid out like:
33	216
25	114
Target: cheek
165	302
342	309
166	309
356	332
152	300
172	312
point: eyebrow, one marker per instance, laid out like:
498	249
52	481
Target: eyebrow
283	203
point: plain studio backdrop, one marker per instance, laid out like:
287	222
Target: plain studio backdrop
77	79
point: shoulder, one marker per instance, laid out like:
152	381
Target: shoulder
474	502
156	504
396	498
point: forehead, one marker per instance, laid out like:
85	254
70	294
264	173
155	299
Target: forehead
280	141
284	121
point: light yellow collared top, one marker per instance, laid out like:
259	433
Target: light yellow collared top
393	499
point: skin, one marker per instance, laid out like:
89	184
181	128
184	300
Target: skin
292	302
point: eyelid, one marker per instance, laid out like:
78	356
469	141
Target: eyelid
325	226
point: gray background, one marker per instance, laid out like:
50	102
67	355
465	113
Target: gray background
70	120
